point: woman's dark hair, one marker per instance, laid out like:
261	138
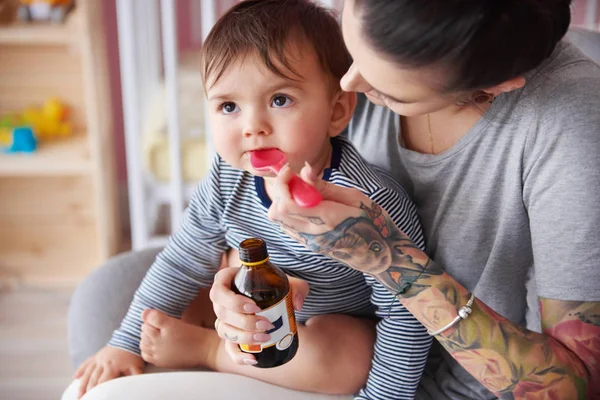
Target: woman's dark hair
482	42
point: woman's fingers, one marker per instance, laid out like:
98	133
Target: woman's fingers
234	309
309	174
235	335
338	204
238	356
222	295
246	322
331	192
225	276
282	189
238	312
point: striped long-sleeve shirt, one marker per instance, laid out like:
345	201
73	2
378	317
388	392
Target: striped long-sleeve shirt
231	205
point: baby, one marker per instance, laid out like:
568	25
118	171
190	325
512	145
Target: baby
271	72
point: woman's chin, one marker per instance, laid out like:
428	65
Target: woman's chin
375	100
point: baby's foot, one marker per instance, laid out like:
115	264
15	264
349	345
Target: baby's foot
171	343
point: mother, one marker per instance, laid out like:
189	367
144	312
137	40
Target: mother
494	127
499	134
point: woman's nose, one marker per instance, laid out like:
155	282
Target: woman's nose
353	81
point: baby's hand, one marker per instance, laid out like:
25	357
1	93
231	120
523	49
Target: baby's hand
107	364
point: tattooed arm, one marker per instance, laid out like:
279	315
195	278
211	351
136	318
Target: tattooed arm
509	360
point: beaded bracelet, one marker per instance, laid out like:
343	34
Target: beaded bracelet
463	313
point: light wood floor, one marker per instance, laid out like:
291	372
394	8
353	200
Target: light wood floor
34	361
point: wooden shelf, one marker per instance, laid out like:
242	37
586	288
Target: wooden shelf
36	33
67	157
58	208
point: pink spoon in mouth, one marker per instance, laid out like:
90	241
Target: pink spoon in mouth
304	195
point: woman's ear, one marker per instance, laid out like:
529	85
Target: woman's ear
341	111
508	86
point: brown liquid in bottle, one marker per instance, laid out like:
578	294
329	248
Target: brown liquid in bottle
268	286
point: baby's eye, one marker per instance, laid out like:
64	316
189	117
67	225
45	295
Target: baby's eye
228	108
281	101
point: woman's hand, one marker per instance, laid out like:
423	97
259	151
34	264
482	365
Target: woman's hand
347	226
236	322
338	204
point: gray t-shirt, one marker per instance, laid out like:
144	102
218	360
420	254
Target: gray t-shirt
519	192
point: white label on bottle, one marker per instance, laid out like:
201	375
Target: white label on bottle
281	315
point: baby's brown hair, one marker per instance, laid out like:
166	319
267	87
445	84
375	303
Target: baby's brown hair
269	27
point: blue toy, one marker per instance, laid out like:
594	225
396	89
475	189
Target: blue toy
23	141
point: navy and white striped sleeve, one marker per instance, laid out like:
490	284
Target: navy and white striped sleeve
402	342
189	261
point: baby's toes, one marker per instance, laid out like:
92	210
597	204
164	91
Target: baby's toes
148	340
147	352
150	331
155	318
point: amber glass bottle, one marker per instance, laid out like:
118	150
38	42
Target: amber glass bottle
268	286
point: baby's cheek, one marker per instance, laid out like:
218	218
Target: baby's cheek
230	150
